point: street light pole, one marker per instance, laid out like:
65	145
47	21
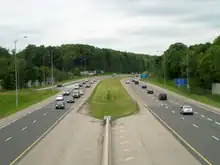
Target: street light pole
16	75
16	70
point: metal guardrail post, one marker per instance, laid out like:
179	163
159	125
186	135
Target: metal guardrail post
106	151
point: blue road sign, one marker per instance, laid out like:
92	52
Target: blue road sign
181	81
144	75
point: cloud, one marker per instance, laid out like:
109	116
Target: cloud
141	26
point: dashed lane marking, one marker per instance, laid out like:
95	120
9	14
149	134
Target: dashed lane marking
195	125
8	139
24	128
215	138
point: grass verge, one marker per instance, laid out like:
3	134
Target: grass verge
111	99
210	99
26	98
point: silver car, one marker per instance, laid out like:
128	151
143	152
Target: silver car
186	110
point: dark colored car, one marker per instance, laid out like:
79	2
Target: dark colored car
60	85
133	80
80	84
150	91
84	82
136	82
88	85
66	93
144	86
60	105
70	101
162	96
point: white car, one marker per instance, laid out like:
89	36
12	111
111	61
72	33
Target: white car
81	92
186	110
76	86
59	98
127	82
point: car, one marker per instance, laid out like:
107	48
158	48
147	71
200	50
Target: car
136	82
186	110
127	82
162	96
66	93
70	101
76	93
84	82
150	91
60	105
81	92
59	98
144	86
94	80
80	84
88	85
76	86
133	80
60	85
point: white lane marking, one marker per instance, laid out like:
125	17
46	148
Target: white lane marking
161	104
29	112
215	138
166	107
124	142
209	119
217	123
45	114
173	111
129	158
24	128
196	113
34	122
182	118
126	150
121	131
8	139
121	137
195	125
202	115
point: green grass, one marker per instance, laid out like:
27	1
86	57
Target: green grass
111	99
26	98
210	99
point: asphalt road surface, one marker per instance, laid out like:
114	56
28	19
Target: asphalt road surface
201	130
75	140
16	137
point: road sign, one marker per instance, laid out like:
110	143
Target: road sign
181	81
144	75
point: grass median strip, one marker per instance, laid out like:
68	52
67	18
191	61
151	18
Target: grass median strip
26	98
111	99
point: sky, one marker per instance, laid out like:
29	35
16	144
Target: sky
140	26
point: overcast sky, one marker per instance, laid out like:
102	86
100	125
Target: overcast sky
142	26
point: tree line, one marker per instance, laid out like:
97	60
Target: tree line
34	63
201	62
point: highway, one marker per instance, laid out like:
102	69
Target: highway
201	130
16	137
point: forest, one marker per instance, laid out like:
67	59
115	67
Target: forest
203	61
34	63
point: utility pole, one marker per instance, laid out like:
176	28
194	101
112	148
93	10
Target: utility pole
187	60
16	74
51	55
164	78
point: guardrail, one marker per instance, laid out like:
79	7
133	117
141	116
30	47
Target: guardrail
106	151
